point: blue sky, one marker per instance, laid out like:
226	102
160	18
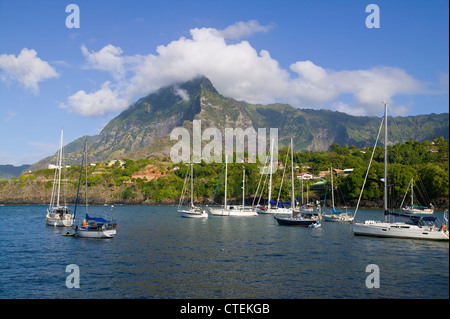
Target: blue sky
310	54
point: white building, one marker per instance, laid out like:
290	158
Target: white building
305	176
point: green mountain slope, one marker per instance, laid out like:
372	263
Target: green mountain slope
143	129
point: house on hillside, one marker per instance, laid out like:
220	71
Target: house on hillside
347	171
305	175
113	162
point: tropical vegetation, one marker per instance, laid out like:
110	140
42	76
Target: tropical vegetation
124	181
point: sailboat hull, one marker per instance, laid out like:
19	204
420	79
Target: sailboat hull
59	220
193	214
294	221
86	233
232	212
399	230
273	210
412	211
338	218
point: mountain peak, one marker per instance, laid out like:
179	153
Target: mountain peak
144	128
197	84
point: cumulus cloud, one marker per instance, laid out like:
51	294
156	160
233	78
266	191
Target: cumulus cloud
107	59
26	69
97	103
239	71
236	70
244	29
317	86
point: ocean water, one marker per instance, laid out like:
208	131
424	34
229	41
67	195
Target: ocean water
158	254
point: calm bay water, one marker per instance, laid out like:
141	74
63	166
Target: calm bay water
158	254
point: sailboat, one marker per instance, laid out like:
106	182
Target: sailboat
296	219
336	216
269	209
413	209
416	227
193	211
92	227
57	214
233	210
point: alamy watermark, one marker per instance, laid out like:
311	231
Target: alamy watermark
73	19
73	279
212	151
373	19
373	279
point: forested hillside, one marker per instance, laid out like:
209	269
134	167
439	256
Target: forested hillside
152	181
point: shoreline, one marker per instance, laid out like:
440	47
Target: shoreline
368	204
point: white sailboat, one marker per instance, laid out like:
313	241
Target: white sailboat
57	214
92	227
413	209
417	227
233	210
295	219
193	211
269	209
336	216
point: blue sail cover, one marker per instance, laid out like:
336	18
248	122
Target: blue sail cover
96	219
280	204
424	218
335	211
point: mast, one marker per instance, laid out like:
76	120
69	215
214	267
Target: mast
307	194
302	191
243	189
292	177
79	182
332	188
85	156
385	159
192	185
226	173
59	168
270	179
412	193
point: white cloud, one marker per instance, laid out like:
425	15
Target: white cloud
26	68
373	85
317	86
97	103
244	29
237	70
107	59
182	93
